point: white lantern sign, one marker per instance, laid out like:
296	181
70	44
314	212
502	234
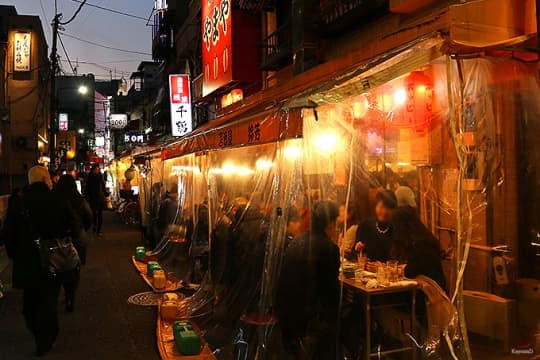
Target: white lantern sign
22	51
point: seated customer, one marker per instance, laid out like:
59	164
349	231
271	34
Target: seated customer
374	236
294	226
308	291
414	245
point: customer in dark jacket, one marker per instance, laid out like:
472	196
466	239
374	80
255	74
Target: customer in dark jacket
35	215
95	194
308	295
416	246
79	221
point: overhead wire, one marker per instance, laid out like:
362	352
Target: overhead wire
75	14
103	67
65	52
104	46
112	11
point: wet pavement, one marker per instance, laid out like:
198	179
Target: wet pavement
104	325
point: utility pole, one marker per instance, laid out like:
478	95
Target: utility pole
54	71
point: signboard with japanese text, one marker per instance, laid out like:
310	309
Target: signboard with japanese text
217	44
66	143
134	138
63	122
270	127
22	51
181	116
118	121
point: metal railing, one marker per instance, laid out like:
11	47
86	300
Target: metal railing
333	10
276	47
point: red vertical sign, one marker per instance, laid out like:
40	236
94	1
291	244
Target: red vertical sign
217	44
181	117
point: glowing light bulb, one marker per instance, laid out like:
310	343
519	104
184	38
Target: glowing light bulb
228	168
293	152
244	171
421	88
326	142
264	164
400	96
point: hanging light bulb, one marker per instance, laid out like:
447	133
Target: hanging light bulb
400	96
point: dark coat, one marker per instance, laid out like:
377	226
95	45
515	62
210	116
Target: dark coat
78	219
378	245
422	260
95	191
35	214
309	284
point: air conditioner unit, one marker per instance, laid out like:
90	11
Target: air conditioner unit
480	308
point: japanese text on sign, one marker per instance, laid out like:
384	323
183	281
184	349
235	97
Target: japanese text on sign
225	138
181	117
63	122
254	132
217	43
22	52
133	138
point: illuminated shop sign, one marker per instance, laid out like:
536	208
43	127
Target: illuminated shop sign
66	143
230	45
161	5
217	44
22	51
100	141
181	116
134	138
63	122
118	121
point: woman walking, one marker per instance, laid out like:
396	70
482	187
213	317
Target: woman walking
95	194
79	221
32	215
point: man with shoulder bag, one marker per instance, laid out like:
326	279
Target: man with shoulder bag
36	239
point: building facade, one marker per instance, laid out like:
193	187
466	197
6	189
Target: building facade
25	96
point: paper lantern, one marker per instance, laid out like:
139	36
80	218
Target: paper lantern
413	101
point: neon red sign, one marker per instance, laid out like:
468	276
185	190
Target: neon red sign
217	44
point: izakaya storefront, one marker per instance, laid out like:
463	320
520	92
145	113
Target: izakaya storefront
447	134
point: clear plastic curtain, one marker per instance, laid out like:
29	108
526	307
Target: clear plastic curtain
266	228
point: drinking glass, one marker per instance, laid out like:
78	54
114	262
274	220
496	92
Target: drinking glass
381	274
392	267
362	260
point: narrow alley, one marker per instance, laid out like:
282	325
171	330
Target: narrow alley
103	325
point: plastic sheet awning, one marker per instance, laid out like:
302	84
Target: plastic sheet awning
264	127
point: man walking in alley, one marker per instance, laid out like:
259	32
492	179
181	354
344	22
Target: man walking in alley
95	194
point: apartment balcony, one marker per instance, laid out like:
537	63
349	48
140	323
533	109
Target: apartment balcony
277	49
339	15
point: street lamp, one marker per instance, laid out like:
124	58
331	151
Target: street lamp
81	131
83	90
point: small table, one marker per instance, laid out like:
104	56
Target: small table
367	294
